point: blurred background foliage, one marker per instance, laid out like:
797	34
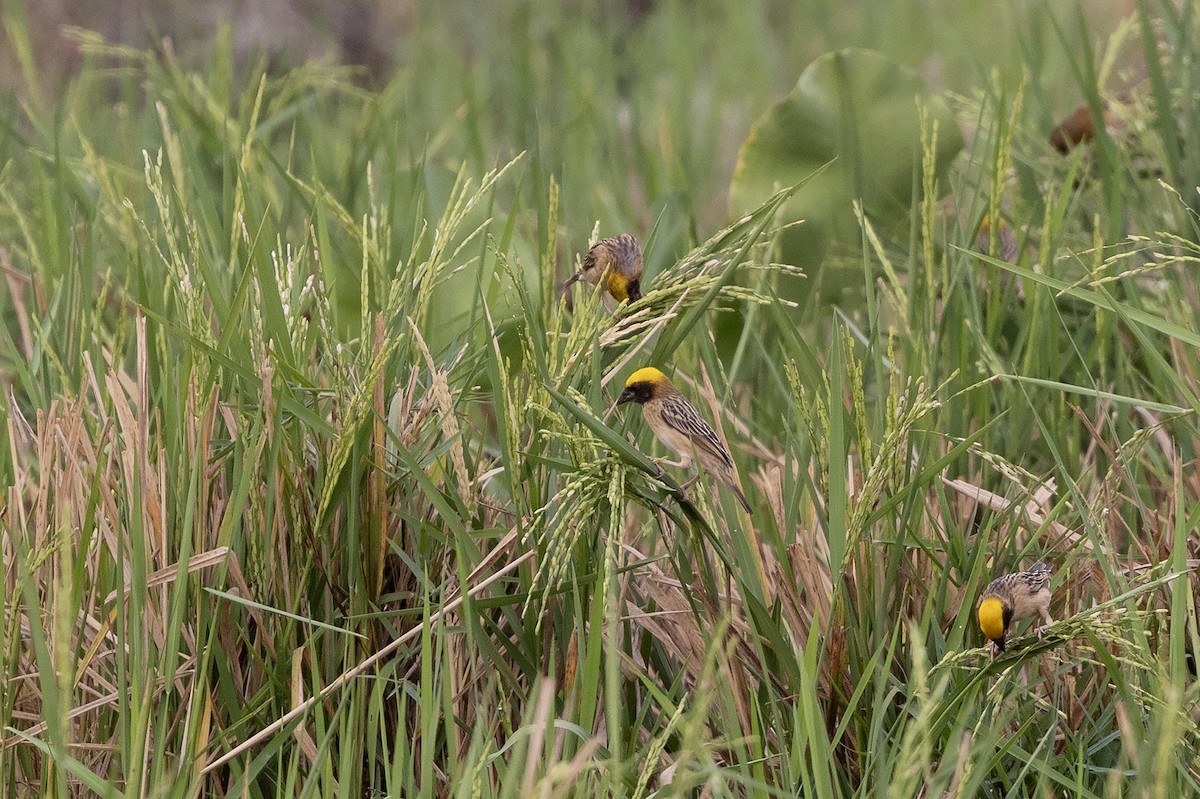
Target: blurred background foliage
657	95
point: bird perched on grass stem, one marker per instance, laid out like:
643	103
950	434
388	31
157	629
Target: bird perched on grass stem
1011	598
680	426
618	262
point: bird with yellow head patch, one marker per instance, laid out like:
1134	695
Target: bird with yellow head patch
617	263
1011	598
679	426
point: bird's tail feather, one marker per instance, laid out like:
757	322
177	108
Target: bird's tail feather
737	491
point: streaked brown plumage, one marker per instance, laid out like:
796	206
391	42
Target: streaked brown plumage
618	261
679	426
1011	598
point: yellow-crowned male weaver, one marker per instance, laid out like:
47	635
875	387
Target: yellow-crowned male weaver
618	262
1011	598
680	426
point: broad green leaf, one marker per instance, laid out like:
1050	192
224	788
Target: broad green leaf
864	110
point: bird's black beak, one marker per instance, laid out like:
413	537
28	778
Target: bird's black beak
626	395
634	290
999	644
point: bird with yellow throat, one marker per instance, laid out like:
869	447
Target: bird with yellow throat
1011	598
617	264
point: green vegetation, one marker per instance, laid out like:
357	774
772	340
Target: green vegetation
314	486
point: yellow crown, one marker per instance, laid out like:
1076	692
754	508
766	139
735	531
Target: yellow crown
647	374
